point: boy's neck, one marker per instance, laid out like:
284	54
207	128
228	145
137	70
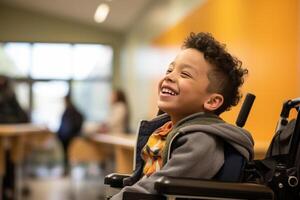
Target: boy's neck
175	118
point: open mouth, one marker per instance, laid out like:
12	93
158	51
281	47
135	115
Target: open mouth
168	91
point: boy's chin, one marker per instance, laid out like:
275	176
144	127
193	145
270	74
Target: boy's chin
166	109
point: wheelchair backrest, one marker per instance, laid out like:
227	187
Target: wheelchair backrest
234	163
233	167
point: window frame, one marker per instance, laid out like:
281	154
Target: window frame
30	81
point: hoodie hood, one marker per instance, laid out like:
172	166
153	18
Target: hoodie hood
238	137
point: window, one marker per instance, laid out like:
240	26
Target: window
51	61
95	104
90	61
15	59
48	102
22	91
45	72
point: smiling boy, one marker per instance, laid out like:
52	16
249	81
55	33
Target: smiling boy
183	91
188	140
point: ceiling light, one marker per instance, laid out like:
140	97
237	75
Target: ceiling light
101	13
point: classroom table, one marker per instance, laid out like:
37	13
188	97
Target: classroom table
123	146
13	141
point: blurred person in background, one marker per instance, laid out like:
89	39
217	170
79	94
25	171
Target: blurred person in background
70	127
10	109
118	120
10	113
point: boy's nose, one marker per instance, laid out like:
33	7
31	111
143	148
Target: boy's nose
170	77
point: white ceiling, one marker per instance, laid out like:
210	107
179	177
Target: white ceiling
122	15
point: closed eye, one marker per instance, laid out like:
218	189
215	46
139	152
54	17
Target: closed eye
186	75
169	71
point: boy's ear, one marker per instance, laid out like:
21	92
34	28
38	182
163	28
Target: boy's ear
214	102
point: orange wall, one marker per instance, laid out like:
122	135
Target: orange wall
264	35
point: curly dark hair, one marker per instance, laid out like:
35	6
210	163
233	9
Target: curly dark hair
227	74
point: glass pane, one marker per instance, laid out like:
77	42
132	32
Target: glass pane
22	93
92	98
92	61
15	59
48	103
51	61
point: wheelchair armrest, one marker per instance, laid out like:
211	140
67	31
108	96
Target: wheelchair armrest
208	188
115	180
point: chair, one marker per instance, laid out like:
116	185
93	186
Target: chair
225	185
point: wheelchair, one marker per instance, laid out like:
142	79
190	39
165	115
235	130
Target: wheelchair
274	177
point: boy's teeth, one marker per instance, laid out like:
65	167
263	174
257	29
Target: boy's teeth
166	90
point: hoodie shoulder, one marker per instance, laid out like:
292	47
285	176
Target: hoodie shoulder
238	137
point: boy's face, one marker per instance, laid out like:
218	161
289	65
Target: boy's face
183	90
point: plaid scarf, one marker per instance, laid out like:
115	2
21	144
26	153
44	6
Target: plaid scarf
152	151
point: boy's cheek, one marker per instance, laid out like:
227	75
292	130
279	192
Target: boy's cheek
159	86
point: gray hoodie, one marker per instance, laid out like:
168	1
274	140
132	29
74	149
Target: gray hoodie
195	150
